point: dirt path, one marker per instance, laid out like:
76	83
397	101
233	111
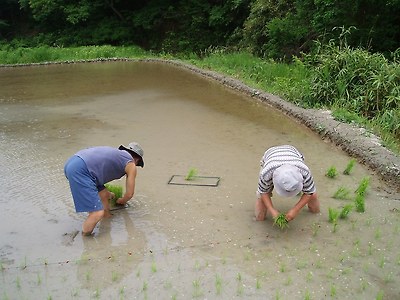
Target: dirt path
355	141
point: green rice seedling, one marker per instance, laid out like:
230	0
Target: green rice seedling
315	228
39	279
307	295
309	276
333	215
289	281
191	174
342	193
380	295
145	286
240	290
239	277
197	292
282	268
345	211
331	172
258	284
281	221
359	203
115	276
363	186
349	167
277	296
18	282
333	290
218	284
116	190
378	234
153	267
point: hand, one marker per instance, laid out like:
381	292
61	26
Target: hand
274	213
121	201
291	214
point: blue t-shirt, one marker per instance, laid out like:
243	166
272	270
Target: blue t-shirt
105	163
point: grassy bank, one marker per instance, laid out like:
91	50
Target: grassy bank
330	79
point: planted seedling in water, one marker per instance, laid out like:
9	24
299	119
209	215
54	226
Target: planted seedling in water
349	167
342	193
281	221
116	190
363	186
333	215
345	211
191	174
331	172
359	203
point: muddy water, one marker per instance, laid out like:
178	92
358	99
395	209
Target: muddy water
175	241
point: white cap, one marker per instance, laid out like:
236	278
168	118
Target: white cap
288	181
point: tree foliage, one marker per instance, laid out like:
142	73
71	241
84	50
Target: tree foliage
275	29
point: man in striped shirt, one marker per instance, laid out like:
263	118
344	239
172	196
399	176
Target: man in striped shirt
283	170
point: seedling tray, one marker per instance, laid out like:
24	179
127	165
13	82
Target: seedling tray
195	180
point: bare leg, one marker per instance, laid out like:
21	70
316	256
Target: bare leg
313	204
260	210
90	223
105	195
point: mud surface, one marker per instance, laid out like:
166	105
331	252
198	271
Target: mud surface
178	241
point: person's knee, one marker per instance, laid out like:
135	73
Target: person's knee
260	210
313	205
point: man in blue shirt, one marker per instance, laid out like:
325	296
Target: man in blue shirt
89	169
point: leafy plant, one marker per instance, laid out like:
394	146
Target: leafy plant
191	174
116	190
359	202
331	172
345	211
342	193
281	221
333	215
349	167
363	186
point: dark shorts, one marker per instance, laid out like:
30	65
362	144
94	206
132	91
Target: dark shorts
83	186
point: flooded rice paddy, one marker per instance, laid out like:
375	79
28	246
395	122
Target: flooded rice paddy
176	241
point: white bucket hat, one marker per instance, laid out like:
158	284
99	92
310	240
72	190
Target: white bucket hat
288	181
135	148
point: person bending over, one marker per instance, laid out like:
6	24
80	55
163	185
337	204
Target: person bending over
283	170
89	169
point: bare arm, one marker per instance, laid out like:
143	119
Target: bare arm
266	199
310	199
130	171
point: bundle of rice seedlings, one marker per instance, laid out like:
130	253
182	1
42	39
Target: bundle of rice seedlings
281	221
117	190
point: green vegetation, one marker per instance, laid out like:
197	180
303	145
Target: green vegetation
363	186
331	172
116	190
191	174
333	215
281	221
349	167
345	211
342	193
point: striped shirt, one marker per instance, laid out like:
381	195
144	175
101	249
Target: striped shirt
277	156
